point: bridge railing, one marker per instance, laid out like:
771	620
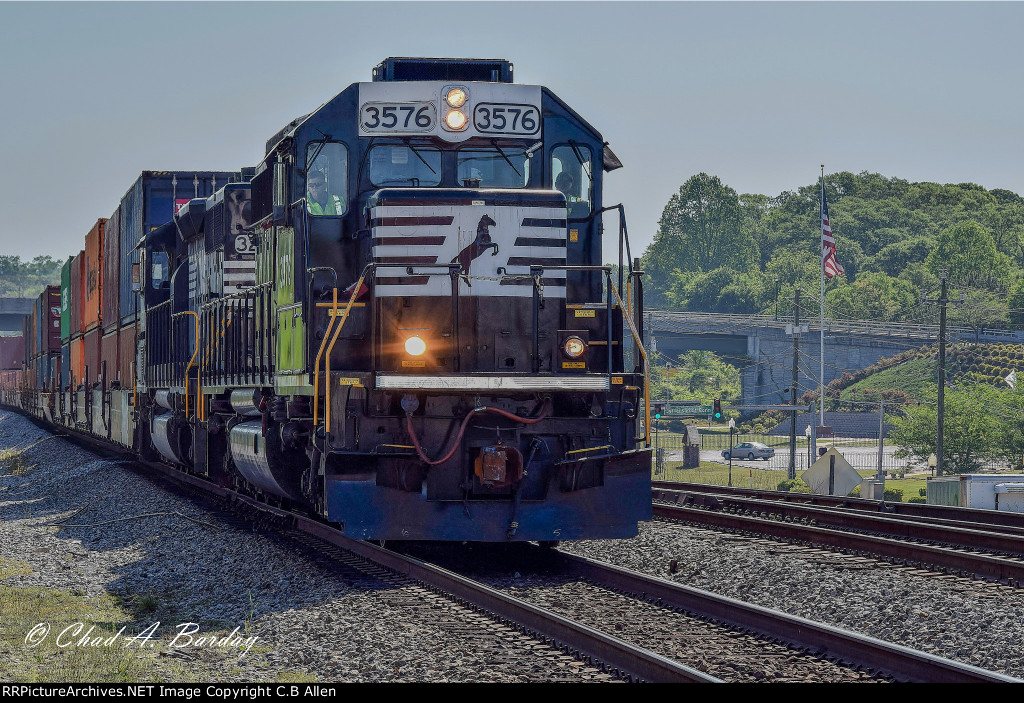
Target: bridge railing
832	326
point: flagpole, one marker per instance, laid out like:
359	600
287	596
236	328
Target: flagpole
821	322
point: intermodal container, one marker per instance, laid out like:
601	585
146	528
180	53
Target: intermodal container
50	317
10	380
47	364
110	310
92	355
28	333
109	355
65	300
12	352
77	362
93	276
65	365
150	202
126	355
77	293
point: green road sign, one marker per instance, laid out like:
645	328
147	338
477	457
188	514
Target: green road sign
688	411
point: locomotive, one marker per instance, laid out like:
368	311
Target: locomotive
398	320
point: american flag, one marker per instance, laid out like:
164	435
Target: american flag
829	263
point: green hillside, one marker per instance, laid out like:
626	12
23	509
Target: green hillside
720	251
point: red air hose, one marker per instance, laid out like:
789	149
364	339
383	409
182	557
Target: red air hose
544	412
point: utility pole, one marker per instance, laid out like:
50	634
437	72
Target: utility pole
792	389
880	474
943	300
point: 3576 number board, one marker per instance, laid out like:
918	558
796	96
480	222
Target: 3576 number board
397	117
507	119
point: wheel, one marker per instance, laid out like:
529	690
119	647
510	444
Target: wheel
750	457
726	455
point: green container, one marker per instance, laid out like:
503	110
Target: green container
65	301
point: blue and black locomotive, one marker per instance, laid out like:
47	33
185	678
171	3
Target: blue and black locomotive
399	320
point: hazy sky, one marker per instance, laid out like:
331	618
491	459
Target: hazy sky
758	94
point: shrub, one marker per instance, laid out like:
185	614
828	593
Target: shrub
917	499
923	491
794	485
893	495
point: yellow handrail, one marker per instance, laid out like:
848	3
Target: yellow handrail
319	354
191	361
330	348
643	355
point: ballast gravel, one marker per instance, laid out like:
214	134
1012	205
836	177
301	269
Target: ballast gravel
968	621
90	525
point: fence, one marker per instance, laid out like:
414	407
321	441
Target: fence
765	473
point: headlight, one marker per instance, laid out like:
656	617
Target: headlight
456	120
574	347
455	97
414	346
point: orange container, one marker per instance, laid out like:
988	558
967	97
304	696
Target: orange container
126	355
77	361
93	283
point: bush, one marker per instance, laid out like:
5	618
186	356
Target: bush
922	491
855	492
794	485
917	499
893	495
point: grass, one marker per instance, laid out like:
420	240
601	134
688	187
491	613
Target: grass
13	461
713	474
914	377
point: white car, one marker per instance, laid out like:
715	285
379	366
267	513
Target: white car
750	450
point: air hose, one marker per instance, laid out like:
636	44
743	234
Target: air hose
544	412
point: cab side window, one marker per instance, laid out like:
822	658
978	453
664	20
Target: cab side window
326	179
571	170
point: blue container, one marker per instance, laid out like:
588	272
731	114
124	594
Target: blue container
151	202
65	365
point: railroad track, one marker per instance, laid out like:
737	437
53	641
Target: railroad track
992	552
820	651
728	638
756	635
1011	523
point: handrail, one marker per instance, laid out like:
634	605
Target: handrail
643	354
319	355
337	332
191	362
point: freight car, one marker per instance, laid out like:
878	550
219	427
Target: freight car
398	321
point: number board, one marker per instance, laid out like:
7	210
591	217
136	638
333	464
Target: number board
384	117
506	119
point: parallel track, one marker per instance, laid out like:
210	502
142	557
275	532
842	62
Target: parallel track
916	542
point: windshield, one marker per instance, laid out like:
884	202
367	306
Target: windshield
507	167
405	166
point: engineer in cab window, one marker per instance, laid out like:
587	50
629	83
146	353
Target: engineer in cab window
318	200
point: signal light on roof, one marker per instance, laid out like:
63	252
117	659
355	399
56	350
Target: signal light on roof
456	120
456	97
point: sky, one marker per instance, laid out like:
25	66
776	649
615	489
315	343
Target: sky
757	93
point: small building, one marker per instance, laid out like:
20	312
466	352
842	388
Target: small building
983	491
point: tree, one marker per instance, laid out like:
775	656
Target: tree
968	251
873	296
700	230
969	437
